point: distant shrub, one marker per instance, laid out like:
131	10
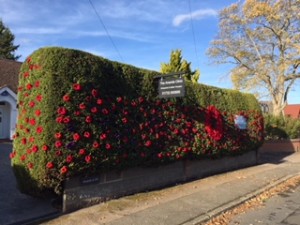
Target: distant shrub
279	127
81	114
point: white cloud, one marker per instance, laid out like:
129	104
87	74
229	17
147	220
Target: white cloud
196	15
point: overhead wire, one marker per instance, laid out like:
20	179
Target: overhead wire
106	31
193	31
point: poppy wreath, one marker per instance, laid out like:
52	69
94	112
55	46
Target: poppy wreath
214	123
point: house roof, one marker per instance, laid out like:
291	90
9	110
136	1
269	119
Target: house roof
292	111
9	74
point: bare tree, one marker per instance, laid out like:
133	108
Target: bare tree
262	39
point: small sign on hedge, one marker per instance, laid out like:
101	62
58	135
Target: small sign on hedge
170	88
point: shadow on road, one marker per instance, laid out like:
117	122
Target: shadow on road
273	158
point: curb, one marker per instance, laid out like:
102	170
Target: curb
37	220
230	205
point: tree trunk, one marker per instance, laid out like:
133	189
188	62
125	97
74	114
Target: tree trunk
277	109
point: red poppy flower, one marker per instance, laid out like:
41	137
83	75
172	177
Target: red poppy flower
94	110
39	129
29	86
94	93
88	159
141	99
76	137
60	119
39	98
28	60
176	131
82	151
35	149
148	143
31	67
87	134
82	106
66	98
105	111
31	104
31	139
62	111
12	155
58	153
99	101
88	119
32	122
119	99
67	119
30	165
160	155
124	120
35	67
58	135
24	141
23	158
26	74
133	103
37	83
77	87
103	136
50	165
69	159
37	112
108	146
45	148
58	144
96	144
77	113
64	170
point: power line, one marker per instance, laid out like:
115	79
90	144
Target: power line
193	31
103	25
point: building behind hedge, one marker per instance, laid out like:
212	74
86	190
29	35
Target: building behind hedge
9	75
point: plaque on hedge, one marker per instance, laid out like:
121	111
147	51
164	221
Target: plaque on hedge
171	88
241	122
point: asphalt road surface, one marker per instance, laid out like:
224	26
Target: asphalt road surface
283	209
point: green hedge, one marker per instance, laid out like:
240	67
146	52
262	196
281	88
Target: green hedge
81	114
279	127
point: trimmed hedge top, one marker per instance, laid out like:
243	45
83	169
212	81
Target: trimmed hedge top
81	114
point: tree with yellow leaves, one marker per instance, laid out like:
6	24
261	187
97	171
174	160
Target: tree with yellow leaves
262	39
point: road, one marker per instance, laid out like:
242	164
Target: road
282	209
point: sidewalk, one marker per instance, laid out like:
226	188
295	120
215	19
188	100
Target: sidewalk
190	203
17	208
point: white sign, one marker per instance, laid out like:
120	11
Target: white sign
240	122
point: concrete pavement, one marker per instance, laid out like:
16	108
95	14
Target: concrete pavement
15	207
190	203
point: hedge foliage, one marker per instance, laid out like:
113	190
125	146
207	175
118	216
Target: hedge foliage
279	127
81	114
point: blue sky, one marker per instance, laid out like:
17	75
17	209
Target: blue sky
143	31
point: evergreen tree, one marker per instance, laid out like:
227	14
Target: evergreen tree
7	46
177	64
